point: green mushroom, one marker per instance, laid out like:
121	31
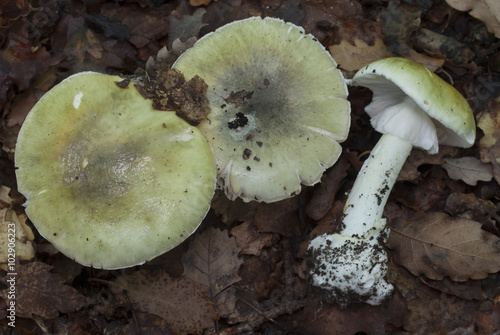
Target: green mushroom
278	104
108	180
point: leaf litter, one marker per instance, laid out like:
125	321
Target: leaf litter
243	271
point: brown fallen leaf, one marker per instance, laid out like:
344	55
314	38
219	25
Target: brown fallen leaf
250	240
487	323
418	158
436	245
489	145
212	261
180	301
431	192
399	20
468	169
196	3
353	57
186	27
487	11
322	318
15	238
469	290
40	292
439	314
280	217
324	195
458	203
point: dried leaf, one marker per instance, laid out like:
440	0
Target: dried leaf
442	46
439	315
181	302
458	203
16	235
321	318
489	146
324	196
250	240
399	21
487	11
40	292
437	245
279	217
212	261
196	3
144	26
186	27
468	169
419	157
353	57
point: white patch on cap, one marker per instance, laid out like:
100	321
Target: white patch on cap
77	100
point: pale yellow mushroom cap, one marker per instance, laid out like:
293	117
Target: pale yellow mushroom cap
278	106
110	181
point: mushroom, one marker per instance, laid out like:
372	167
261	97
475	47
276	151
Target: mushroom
278	106
411	106
108	180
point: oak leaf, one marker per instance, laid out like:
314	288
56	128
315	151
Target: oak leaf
212	261
179	301
468	169
487	11
436	245
41	292
186	27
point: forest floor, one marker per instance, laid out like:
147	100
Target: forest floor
439	202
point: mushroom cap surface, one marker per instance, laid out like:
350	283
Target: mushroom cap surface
278	106
394	79
110	181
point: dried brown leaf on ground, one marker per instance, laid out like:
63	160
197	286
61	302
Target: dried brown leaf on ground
352	57
418	158
250	240
436	245
399	20
430	193
186	27
212	261
487	322
279	217
324	195
469	290
43	293
322	318
197	3
468	169
180	301
487	11
439	314
15	238
489	144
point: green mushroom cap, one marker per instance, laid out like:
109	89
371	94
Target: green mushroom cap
110	181
278	106
397	81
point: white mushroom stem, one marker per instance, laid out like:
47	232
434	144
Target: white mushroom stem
368	196
352	265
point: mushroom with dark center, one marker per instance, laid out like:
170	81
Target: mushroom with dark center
276	96
108	180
